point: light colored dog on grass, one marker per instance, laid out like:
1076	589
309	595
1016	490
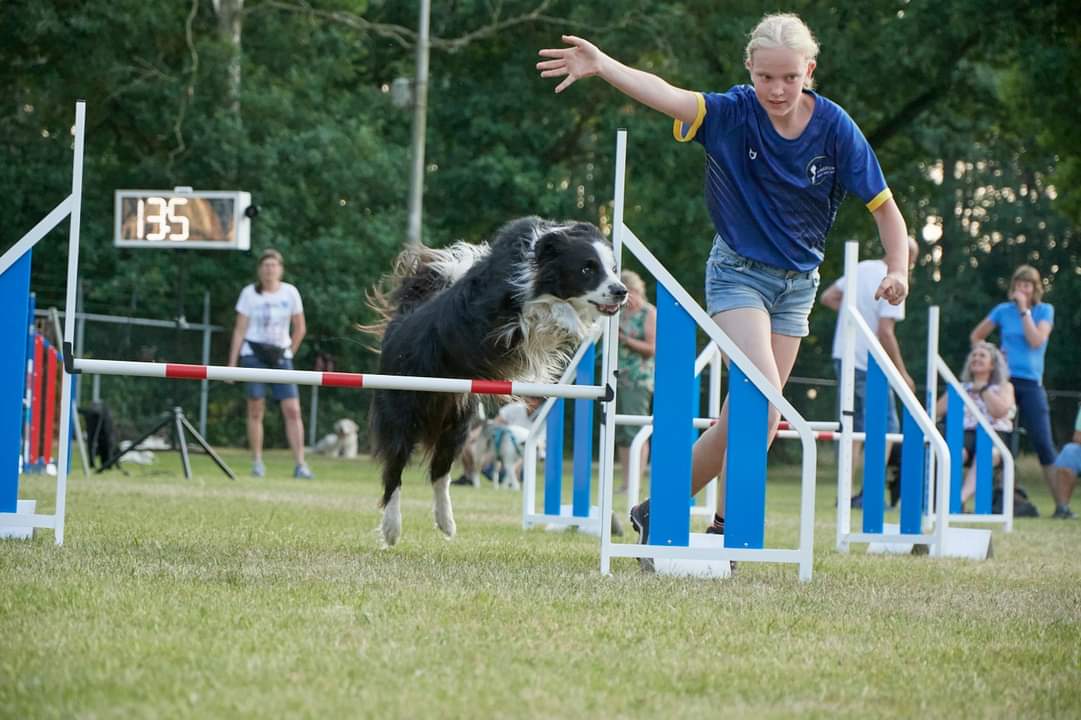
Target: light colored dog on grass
340	443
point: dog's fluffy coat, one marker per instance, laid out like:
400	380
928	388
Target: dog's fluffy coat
511	309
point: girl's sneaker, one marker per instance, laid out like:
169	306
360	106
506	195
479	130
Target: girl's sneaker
258	469
303	472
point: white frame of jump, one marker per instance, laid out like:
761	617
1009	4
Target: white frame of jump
804	554
709	356
936	367
934	526
70	207
530	516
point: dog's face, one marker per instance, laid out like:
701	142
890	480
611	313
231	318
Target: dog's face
575	263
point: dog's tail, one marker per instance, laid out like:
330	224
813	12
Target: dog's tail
419	273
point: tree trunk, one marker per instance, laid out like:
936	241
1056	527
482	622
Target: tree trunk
230	19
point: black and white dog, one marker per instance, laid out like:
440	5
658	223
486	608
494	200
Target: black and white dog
511	309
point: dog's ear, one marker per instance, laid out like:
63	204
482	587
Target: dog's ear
549	246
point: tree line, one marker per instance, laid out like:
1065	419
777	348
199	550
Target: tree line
968	104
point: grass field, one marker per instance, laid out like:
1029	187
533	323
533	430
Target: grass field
270	598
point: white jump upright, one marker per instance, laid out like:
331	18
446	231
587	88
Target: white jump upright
23	518
958	401
925	478
581	513
671	544
917	425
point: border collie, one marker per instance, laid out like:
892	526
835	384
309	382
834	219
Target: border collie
514	308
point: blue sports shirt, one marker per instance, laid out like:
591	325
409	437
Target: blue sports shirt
772	199
1024	360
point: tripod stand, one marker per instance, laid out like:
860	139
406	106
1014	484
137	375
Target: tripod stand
180	441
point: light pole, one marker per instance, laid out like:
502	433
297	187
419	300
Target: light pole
420	124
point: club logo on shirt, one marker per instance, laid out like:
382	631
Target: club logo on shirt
819	169
751	153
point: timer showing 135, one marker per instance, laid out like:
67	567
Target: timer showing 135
183	218
170	224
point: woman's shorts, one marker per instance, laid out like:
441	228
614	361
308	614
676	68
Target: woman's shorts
257	390
734	282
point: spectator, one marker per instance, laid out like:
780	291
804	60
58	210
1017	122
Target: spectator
881	318
986	379
1024	324
262	339
1067	467
637	346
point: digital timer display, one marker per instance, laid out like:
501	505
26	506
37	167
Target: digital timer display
182	218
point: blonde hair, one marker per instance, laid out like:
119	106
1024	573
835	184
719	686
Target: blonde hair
784	30
1027	272
633	281
1000	371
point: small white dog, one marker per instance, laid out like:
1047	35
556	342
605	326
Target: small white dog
340	443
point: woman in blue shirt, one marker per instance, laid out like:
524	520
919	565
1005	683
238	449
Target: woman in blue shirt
780	158
1024	324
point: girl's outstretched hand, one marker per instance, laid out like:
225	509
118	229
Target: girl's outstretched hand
894	288
581	60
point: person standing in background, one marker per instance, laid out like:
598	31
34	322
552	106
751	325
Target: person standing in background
1024	323
262	339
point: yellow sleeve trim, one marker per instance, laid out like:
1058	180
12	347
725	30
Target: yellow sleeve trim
677	126
877	200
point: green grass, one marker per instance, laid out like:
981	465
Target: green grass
270	598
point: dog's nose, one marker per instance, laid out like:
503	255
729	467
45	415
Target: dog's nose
617	291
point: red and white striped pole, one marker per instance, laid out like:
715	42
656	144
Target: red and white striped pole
336	379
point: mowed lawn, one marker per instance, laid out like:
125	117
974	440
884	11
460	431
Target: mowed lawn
271	598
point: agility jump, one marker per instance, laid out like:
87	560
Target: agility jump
671	541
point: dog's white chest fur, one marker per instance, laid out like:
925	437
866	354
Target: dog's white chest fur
551	331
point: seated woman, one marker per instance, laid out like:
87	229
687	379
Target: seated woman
986	379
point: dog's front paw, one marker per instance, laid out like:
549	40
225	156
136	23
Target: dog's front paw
444	513
390	529
391	526
447	525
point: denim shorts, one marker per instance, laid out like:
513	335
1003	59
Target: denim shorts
278	391
733	282
1070	458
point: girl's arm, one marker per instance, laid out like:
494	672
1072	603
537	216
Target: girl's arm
300	329
999	401
584	59
647	346
940	406
1035	335
981	331
894	236
239	329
